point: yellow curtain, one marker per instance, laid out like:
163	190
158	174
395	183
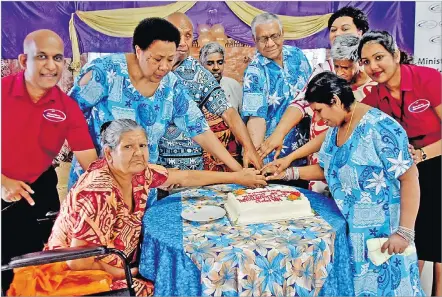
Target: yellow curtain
118	22
294	27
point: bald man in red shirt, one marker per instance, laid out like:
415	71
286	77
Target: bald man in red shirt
37	116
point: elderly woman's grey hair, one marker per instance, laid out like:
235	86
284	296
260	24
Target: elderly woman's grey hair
345	47
111	132
208	49
265	18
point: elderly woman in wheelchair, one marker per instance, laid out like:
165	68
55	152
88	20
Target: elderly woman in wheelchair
106	206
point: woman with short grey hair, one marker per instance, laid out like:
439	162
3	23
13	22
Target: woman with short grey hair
111	131
345	47
344	54
208	49
107	204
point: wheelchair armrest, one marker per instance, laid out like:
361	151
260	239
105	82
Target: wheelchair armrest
58	255
52	214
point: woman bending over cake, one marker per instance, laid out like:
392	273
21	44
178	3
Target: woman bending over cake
372	177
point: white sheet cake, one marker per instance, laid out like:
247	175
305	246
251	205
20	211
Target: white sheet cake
269	204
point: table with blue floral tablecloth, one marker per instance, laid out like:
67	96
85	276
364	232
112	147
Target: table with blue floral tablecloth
305	257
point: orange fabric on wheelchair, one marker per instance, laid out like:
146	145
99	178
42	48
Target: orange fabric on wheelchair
56	279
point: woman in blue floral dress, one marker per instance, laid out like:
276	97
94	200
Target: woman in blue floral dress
140	86
374	182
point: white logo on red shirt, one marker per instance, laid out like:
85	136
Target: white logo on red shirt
54	115
419	105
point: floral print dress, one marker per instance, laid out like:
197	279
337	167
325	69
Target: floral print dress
363	178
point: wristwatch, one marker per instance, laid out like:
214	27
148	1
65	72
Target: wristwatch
424	155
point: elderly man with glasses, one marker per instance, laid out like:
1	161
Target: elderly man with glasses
274	77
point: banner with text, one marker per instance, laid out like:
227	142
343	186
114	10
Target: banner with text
427	37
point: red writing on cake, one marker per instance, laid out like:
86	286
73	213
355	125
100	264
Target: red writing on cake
263	197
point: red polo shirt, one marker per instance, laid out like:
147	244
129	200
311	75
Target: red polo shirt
415	111
33	133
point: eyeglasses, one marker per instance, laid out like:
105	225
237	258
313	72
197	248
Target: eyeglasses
264	39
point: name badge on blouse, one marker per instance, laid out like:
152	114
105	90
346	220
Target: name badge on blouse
54	115
419	105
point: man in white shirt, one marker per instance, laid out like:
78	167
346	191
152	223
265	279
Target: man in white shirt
212	58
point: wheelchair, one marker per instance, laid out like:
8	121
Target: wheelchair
66	254
59	255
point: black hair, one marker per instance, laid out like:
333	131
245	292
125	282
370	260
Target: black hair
387	41
152	29
406	58
359	18
325	85
104	126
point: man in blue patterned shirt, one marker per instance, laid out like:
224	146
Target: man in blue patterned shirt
177	150
275	76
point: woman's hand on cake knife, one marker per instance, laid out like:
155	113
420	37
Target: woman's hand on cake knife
270	172
277	167
250	177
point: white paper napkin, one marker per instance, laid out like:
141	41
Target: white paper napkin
377	257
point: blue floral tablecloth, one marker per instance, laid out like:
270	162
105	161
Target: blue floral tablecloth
307	257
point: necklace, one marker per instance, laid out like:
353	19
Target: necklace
349	124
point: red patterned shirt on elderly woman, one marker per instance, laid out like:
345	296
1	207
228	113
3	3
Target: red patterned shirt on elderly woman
94	211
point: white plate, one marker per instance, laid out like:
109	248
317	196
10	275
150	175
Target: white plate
204	213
